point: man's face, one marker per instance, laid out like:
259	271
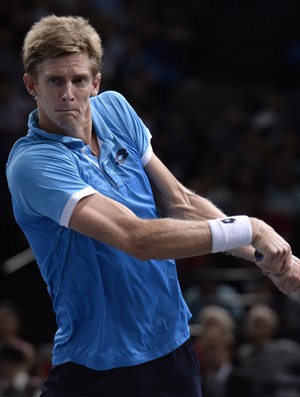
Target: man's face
63	86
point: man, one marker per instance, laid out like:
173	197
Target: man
103	217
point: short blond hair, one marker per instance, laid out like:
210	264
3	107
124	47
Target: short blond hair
53	36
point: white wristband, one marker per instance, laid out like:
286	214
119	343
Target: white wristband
229	233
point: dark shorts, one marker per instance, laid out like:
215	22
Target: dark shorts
175	375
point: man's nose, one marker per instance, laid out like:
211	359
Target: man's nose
68	95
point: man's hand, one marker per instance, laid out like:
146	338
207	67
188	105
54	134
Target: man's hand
275	251
290	281
275	257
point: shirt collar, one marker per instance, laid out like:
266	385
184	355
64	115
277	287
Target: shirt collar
36	131
102	131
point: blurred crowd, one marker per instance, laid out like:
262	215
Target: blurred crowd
227	127
257	362
255	359
23	365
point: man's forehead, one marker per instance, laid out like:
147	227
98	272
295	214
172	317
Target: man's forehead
78	63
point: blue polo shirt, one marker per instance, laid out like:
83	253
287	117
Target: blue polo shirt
112	310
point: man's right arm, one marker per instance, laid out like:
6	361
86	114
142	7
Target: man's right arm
106	220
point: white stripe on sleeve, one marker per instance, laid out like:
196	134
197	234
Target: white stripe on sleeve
71	203
147	155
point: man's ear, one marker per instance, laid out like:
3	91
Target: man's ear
30	84
96	84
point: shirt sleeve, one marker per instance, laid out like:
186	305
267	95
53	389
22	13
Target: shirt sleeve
44	181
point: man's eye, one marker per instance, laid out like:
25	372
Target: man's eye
80	80
54	80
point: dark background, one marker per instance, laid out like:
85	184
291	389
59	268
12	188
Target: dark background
217	82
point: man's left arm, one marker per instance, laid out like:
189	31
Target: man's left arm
176	201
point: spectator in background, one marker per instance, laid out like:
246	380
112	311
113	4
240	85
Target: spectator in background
263	357
215	315
263	351
211	316
218	345
10	328
15	379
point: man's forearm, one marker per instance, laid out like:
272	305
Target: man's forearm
201	208
194	207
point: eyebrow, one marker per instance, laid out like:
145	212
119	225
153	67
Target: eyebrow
59	76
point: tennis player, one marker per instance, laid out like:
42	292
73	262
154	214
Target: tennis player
105	220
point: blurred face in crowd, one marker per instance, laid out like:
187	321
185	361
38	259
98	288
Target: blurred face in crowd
259	330
62	88
261	324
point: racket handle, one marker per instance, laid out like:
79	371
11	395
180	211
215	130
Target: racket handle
258	256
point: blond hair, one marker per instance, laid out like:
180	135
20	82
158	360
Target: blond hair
216	315
53	36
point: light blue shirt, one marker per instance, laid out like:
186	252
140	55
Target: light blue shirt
112	310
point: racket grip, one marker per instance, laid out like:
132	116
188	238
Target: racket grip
258	256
